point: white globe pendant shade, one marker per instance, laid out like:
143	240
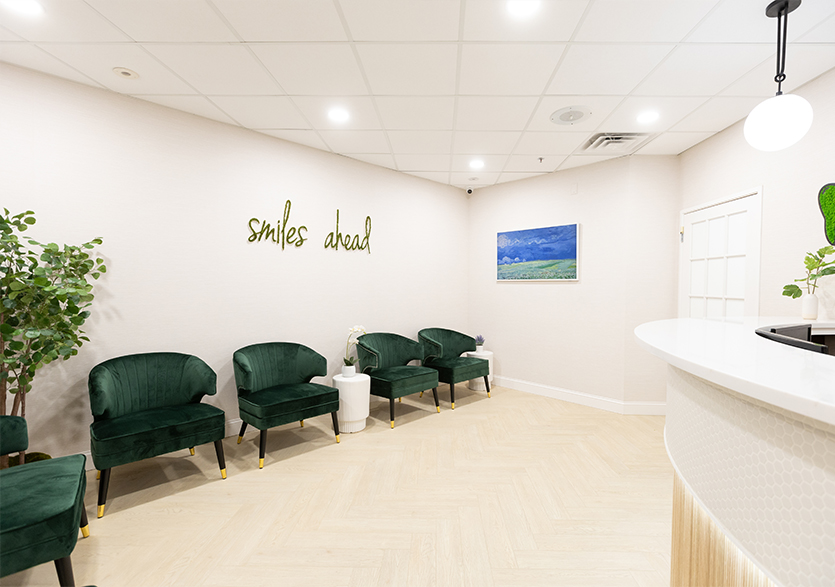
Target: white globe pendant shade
778	122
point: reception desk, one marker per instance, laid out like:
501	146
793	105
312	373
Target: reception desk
750	431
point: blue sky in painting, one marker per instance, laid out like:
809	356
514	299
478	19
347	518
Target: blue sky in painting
537	244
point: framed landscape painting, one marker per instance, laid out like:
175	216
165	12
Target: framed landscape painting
538	254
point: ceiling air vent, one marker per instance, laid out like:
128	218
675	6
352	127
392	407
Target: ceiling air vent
614	142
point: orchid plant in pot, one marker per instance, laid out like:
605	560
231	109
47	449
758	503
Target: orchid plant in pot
816	267
349	363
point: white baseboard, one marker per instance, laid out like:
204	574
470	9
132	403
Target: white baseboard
645	408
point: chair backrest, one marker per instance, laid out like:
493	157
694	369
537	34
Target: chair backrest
14	435
378	350
259	366
442	343
132	383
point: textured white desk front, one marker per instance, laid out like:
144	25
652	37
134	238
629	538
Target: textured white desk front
750	432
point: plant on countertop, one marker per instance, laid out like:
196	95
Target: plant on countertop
44	299
816	267
479	340
352	334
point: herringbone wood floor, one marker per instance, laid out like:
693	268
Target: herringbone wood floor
514	490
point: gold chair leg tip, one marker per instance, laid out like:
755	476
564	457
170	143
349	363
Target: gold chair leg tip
421	394
260	463
85	531
438	408
191	450
400	399
98	475
223	473
453	405
488	394
240	438
337	439
100	512
302	423
392	424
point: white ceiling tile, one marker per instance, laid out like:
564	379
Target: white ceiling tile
803	63
523	70
492	163
217	69
360	108
670	110
673	143
600	106
556	142
262	111
387	20
33	57
7	35
514	176
199	105
406	162
308	138
283	20
717	114
465	179
532	164
493	113
413	70
606	69
824	32
484	142
642	21
437	176
489	20
163	20
356	141
581	160
97	61
416	113
420	141
313	69
379	159
744	21
63	21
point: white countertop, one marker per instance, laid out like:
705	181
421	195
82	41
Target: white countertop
730	354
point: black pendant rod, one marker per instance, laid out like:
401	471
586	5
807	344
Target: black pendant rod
780	10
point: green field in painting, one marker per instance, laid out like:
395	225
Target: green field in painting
553	269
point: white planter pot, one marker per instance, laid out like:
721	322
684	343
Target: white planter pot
810	307
349	370
479	348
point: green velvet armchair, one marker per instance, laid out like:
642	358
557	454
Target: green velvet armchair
274	388
385	357
442	350
41	507
147	405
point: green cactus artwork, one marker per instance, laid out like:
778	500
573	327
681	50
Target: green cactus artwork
826	199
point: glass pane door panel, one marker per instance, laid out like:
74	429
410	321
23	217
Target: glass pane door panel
716	277
698	277
736	277
737	233
698	241
717	231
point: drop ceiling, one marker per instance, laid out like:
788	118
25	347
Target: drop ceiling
431	85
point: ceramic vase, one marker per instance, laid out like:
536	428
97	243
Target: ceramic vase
479	348
810	307
349	370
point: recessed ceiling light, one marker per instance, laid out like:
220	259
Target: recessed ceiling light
476	164
472	179
339	115
125	73
648	117
570	115
523	8
25	7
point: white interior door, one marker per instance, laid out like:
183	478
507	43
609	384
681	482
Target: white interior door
719	262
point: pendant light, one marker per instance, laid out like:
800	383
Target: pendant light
781	121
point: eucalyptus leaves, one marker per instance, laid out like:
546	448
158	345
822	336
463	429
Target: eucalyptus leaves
44	299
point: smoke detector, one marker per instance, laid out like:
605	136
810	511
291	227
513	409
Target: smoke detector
614	142
570	115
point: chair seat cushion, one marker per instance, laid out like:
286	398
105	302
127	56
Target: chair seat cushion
394	382
157	431
457	369
282	404
40	511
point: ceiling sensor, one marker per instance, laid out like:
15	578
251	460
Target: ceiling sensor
570	115
125	73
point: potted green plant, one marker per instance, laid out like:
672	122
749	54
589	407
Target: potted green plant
348	368
479	343
816	267
44	299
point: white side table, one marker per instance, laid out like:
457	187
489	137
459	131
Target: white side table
478	384
354	397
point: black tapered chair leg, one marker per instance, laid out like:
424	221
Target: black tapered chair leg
262	449
452	395
83	524
335	426
221	460
487	385
241	433
64	568
437	403
104	484
391	411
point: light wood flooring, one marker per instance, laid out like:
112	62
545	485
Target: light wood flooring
513	490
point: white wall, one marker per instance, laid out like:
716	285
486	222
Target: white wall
792	223
171	195
574	340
